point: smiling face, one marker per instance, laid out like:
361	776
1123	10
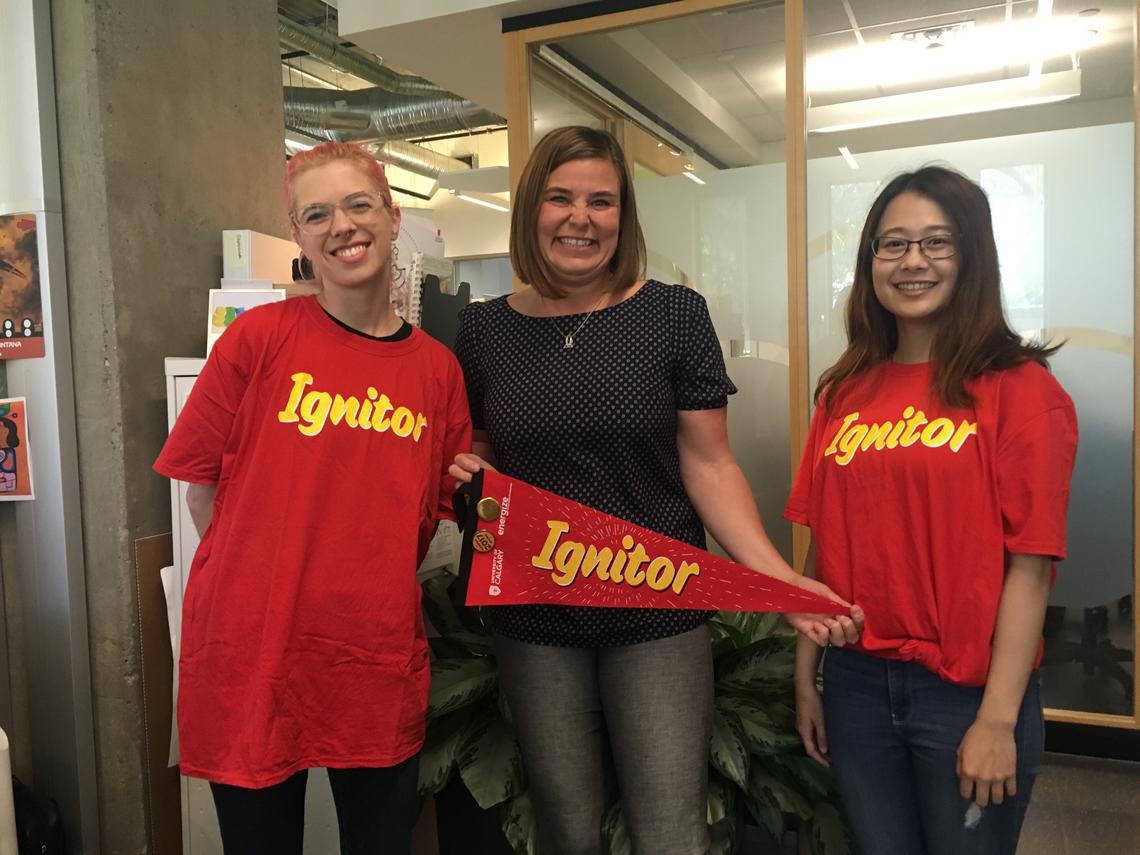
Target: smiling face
579	221
914	288
356	249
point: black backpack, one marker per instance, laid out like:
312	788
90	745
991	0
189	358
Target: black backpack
39	827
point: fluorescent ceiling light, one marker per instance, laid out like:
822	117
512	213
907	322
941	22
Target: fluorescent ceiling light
1044	13
295	146
949	101
495	206
849	157
693	177
973	51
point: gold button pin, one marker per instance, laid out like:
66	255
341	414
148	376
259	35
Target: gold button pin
483	541
487	509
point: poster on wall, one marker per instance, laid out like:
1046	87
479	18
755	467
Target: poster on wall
15	456
21	312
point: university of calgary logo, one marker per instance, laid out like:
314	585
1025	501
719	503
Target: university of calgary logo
854	436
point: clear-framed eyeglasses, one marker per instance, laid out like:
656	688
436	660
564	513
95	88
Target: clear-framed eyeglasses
892	248
362	208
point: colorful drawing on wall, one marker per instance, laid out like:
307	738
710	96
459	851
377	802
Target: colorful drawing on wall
15	456
21	312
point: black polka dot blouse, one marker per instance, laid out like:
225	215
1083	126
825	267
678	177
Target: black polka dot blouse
596	423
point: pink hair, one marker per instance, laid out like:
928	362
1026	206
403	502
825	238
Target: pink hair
327	152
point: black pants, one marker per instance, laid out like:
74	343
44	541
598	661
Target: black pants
375	812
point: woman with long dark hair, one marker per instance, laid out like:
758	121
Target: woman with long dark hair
935	481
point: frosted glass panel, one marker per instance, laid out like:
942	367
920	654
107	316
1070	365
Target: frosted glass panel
703	94
1062	202
727	239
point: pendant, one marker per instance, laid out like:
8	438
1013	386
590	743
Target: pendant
568	342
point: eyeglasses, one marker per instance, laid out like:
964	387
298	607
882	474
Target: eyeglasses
362	208
890	248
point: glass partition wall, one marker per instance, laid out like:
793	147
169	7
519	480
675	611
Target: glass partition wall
759	133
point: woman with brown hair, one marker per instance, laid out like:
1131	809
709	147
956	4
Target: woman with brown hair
610	390
935	481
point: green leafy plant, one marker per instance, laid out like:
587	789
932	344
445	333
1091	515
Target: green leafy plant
758	770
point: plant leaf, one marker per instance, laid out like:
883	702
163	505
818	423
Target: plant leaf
519	824
437	758
766	786
615	833
727	751
767	815
828	832
437	604
762	736
456	683
722	796
489	759
723	836
819	781
763	665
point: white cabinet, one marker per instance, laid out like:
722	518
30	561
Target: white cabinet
199	822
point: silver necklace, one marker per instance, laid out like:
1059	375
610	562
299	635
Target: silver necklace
568	338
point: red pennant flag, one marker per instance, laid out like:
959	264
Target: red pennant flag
531	546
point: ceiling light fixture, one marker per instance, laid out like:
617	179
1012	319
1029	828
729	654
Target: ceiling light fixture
906	58
1044	13
696	179
849	157
948	101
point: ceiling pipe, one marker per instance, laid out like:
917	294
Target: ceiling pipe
415	158
332	114
331	52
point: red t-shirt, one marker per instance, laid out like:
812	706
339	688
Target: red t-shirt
913	505
302	634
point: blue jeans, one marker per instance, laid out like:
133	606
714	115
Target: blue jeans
654	700
893	729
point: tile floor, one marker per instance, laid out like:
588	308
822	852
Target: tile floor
1083	806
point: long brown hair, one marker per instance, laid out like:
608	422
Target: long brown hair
560	146
972	334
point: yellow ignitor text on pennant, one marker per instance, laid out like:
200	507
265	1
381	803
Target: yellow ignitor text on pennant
569	559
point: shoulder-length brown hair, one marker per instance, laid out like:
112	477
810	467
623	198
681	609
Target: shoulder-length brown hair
972	335
556	148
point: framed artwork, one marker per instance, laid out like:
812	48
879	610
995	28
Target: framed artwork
15	455
21	309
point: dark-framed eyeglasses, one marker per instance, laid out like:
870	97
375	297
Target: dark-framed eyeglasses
892	247
363	208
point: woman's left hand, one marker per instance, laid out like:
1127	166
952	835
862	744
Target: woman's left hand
987	763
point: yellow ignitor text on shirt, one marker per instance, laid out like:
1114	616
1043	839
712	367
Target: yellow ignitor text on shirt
312	410
852	438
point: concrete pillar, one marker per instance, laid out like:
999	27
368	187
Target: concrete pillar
170	130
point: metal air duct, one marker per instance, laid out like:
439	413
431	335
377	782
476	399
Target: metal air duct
328	50
332	114
415	158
